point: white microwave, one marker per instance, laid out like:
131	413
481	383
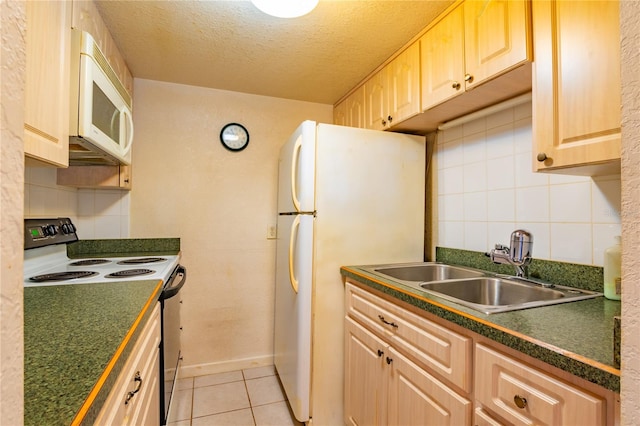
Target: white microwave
101	124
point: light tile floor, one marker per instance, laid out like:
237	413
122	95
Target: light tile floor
238	398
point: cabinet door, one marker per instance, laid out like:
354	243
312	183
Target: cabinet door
355	109
96	177
365	376
375	91
46	114
126	406
442	60
404	85
417	398
576	91
340	114
497	38
524	395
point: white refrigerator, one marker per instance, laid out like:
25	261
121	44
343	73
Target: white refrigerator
346	196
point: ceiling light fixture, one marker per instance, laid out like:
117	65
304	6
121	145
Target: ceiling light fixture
285	8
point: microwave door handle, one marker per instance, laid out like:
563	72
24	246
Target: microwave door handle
129	140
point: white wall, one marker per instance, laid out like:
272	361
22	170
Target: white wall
220	204
630	55
484	189
97	213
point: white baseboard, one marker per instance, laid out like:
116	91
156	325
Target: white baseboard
224	366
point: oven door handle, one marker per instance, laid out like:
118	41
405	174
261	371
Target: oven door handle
172	289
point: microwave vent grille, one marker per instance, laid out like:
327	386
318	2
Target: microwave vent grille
104	64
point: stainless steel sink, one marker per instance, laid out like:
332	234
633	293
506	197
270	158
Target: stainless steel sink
428	272
492	294
483	291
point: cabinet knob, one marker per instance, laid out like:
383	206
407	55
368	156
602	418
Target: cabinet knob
389	360
456	85
542	157
520	401
390	118
380	353
126	181
384	123
468	78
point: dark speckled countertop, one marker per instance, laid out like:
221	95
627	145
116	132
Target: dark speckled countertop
78	337
71	333
576	337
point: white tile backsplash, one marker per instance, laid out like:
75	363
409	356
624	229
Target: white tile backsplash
97	213
487	163
570	203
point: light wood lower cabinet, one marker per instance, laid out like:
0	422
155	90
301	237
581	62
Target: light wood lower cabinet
403	368
383	387
387	381
527	396
366	376
135	397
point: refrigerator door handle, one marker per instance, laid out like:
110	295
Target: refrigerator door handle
294	168
294	235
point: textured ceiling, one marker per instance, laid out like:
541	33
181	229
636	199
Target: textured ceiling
231	45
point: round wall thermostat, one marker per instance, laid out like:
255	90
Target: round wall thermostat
234	137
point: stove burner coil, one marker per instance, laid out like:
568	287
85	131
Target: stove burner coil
89	262
129	273
62	276
141	260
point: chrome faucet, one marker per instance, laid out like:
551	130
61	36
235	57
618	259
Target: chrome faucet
518	254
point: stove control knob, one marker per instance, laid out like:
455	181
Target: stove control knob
66	228
49	230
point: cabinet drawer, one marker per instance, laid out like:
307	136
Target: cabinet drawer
142	362
501	380
441	350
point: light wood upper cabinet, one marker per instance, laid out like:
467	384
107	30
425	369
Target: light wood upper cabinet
355	109
86	17
404	85
96	177
340	114
393	93
577	87
474	43
442	56
376	94
350	112
497	36
46	115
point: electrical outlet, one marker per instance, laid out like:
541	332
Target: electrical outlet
272	233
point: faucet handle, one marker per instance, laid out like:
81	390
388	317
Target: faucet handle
501	247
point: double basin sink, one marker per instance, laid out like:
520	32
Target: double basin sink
479	290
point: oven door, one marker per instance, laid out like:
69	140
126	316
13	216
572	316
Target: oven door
170	357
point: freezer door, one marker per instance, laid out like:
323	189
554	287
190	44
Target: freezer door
296	170
293	309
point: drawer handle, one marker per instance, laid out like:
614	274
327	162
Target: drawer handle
520	401
132	393
392	324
